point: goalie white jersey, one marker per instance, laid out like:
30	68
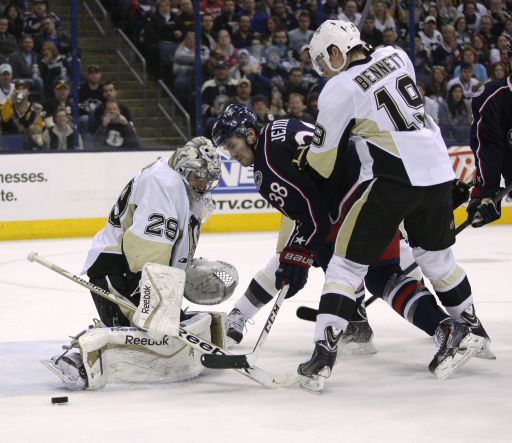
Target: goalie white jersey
153	220
376	102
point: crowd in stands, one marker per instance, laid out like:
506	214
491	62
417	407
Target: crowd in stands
252	52
256	53
36	103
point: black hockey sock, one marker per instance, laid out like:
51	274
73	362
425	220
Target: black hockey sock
257	295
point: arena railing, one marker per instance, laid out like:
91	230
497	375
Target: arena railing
99	16
171	118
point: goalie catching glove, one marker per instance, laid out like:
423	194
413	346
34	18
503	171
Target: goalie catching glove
294	264
482	210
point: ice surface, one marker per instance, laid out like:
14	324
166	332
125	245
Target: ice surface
387	397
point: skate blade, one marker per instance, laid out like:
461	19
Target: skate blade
314	385
486	353
468	348
287	379
355	349
70	384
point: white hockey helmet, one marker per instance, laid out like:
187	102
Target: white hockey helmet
342	34
199	158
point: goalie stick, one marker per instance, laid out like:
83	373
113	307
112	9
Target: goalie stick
309	314
216	361
260	376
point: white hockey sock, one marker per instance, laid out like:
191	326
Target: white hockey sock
246	307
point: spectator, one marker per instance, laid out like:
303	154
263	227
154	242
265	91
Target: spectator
469	56
462	33
272	68
61	99
257	17
16	24
465	79
221	84
109	95
483	54
383	19
53	65
163	26
40	10
90	94
495	53
212	7
447	12
469	9
507	31
281	42
6	84
59	136
260	108
350	13
273	25
447	54
225	49
295	84
206	32
431	105
18	112
187	14
256	50
422	62
331	10
430	36
183	69
242	38
49	33
498	12
24	58
499	71
297	108
301	35
389	38
312	104
115	131
8	42
33	141
284	13
437	85
309	74
486	29
370	33
277	104
455	116
243	93
226	20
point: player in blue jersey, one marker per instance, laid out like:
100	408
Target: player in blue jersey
491	143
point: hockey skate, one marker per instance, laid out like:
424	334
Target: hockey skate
456	345
357	338
69	367
314	372
235	325
470	319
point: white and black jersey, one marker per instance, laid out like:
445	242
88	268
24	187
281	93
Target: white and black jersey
153	220
377	104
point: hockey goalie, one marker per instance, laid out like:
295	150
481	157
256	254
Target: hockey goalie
143	256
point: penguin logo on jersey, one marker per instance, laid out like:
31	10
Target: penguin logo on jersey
258	178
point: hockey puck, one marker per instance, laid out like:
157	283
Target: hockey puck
59	400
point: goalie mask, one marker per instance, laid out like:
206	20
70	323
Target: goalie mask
210	282
339	33
199	164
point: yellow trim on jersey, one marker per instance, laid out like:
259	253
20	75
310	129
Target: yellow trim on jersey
369	130
287	226
88	227
139	251
323	161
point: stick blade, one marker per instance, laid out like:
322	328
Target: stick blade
306	313
216	361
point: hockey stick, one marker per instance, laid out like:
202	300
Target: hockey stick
364	14
215	361
256	374
309	314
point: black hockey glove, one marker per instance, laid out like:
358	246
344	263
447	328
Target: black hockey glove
460	192
294	264
482	211
299	160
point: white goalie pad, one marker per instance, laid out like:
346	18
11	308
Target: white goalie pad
129	355
210	282
161	294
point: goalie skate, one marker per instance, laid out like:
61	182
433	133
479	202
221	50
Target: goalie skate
70	369
457	344
236	324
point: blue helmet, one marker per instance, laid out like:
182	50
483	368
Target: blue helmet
234	120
